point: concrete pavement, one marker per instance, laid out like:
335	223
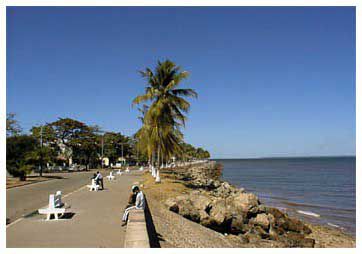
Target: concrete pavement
25	199
96	221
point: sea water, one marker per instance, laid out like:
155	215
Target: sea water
319	189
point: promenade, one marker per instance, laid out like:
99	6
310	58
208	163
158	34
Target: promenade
96	221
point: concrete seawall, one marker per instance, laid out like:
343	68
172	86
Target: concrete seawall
137	234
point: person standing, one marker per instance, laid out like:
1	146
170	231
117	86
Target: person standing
99	179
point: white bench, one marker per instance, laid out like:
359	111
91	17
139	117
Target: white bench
93	186
127	170
111	176
119	172
55	207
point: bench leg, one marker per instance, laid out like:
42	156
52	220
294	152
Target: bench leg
48	216
56	216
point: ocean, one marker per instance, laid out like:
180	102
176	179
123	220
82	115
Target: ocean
319	190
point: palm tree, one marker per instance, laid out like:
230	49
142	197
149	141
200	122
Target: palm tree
166	114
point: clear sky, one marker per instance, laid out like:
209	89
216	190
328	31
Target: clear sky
271	81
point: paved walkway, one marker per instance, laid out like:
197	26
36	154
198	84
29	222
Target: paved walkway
96	222
25	199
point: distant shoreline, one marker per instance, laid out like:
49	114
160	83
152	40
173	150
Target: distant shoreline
287	157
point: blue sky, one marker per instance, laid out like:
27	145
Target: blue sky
277	81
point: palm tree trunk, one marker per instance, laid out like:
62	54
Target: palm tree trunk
158	179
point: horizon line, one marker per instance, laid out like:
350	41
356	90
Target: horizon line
283	157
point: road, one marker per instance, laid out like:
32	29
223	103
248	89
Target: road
25	199
95	220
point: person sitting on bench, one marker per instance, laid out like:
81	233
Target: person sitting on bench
132	198
139	204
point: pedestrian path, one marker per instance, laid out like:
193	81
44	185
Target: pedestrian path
95	223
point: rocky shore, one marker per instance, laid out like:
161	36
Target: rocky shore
240	219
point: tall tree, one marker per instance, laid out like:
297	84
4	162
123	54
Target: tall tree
12	125
67	133
167	110
86	145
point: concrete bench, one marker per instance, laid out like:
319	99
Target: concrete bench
93	186
136	233
55	207
111	176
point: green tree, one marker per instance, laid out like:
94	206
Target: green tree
165	116
17	150
40	156
12	126
86	146
115	144
67	132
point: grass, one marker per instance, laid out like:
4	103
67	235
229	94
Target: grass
169	187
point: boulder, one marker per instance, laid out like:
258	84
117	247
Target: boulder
293	239
201	202
171	204
273	234
262	220
187	210
237	225
274	211
219	217
243	202
252	237
183	206
295	225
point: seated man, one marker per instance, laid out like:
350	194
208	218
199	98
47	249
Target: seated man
139	204
132	197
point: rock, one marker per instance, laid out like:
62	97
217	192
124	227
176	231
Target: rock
274	211
237	224
218	215
183	206
217	183
293	239
172	205
219	219
291	224
271	220
258	230
273	234
204	217
243	202
252	237
201	202
187	210
262	220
